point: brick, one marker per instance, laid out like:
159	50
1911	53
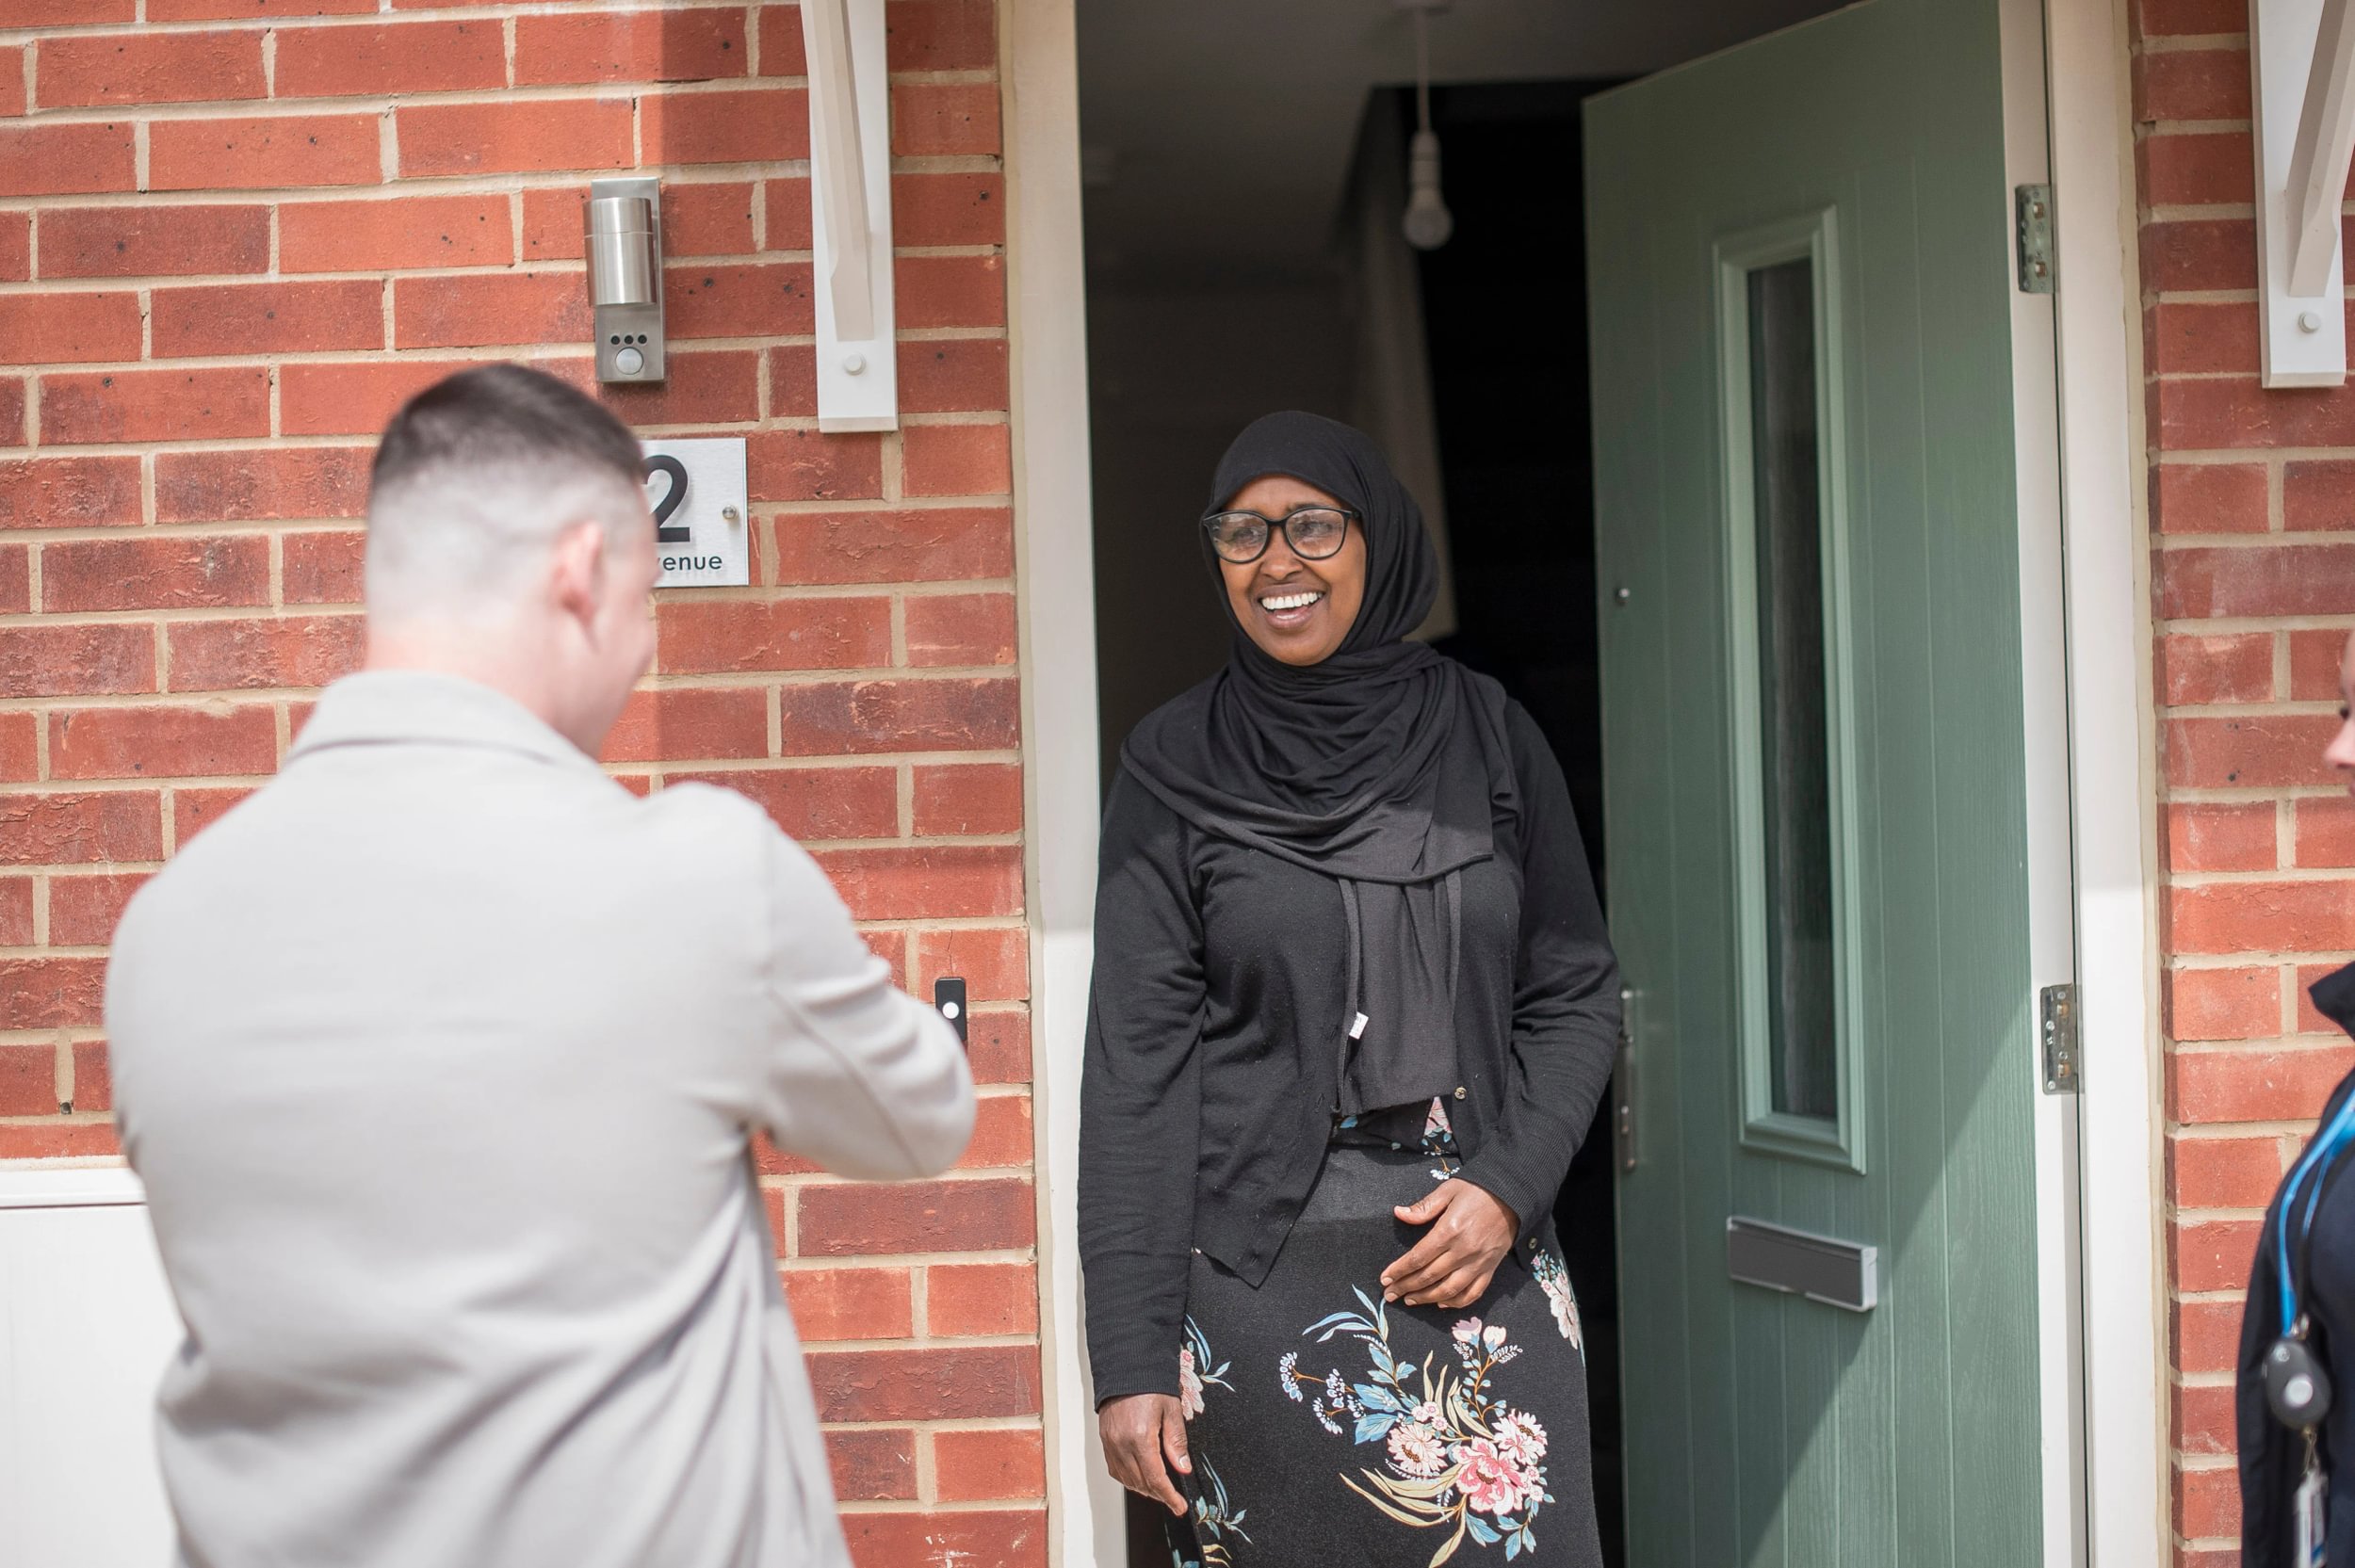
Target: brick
803	465
704	635
516	136
1000	1537
13	394
816	803
290	151
785	205
987	1466
2234	668
243	486
872	1464
354	398
88	71
209	11
64	659
476	311
978	1299
850	1303
967	1383
153	241
93	1078
2224	1004
2309	1019
2162	18
996	963
84	910
2326	832
722	387
2200	254
941	209
28	1079
81	829
295	651
2192	84
630	47
322	568
62	13
739	299
782	50
162	742
70	327
20	746
956	291
2222	413
51	992
69	492
193	809
2214	1254
16	246
12	101
943	35
978	798
154	573
1003	1137
16	583
410	56
392	236
60	160
685	724
2207	1502
953	376
763	125
872	1219
2249	1085
936	544
2211	837
959	119
2206	1337
267	318
938	881
2306	916
793	381
850	717
956	460
2204	168
156	405
2256	751
16	912
2203	1420
2317	495
2298	579
2225	1173
2315	665
2200	339
961	629
998	1046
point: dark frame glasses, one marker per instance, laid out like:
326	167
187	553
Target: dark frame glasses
1235	540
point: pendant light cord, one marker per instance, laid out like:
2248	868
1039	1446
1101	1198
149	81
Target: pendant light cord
1422	69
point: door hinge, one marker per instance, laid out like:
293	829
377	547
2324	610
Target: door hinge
2059	1031
1623	1086
2032	210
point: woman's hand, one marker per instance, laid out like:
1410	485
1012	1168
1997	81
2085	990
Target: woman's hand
1471	1230
1140	1432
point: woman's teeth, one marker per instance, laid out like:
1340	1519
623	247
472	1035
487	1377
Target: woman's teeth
1279	603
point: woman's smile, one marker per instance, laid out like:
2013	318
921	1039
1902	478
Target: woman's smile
1290	608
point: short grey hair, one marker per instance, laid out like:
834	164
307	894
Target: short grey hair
476	476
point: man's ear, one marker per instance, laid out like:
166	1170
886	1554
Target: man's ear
576	571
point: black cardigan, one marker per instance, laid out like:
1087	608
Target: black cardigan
1214	1034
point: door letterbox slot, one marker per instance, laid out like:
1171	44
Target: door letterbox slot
1845	1274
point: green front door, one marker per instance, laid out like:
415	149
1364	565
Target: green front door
1802	276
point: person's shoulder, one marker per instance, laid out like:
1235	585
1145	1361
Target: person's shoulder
708	823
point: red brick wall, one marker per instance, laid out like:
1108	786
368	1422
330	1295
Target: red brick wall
233	234
2252	498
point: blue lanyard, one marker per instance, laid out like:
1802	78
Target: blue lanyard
2314	1164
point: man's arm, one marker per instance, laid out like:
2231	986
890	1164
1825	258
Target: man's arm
861	1077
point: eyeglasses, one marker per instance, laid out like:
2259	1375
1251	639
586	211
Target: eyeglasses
1314	533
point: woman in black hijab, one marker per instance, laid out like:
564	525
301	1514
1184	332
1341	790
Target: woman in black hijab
1353	1007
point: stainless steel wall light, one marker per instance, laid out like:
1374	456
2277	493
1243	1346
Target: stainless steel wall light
624	234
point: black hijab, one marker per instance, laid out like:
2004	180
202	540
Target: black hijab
1380	767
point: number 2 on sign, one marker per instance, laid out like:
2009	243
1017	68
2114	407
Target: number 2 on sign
673	496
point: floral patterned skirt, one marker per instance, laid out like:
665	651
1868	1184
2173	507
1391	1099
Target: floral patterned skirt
1327	1428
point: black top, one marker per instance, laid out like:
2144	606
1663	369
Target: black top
2272	1456
1212	1067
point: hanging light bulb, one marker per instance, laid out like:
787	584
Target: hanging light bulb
1427	222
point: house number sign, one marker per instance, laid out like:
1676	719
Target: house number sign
702	512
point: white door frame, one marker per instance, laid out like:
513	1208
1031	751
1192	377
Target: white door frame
2083	526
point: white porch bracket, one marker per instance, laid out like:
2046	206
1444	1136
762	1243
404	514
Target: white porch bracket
849	202
2302	67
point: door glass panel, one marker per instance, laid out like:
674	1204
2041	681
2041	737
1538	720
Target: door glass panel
1795	744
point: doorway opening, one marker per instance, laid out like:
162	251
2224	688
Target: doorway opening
1243	173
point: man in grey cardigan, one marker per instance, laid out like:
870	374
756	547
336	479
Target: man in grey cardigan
442	1056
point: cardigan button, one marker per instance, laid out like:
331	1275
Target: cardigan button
1459	1091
